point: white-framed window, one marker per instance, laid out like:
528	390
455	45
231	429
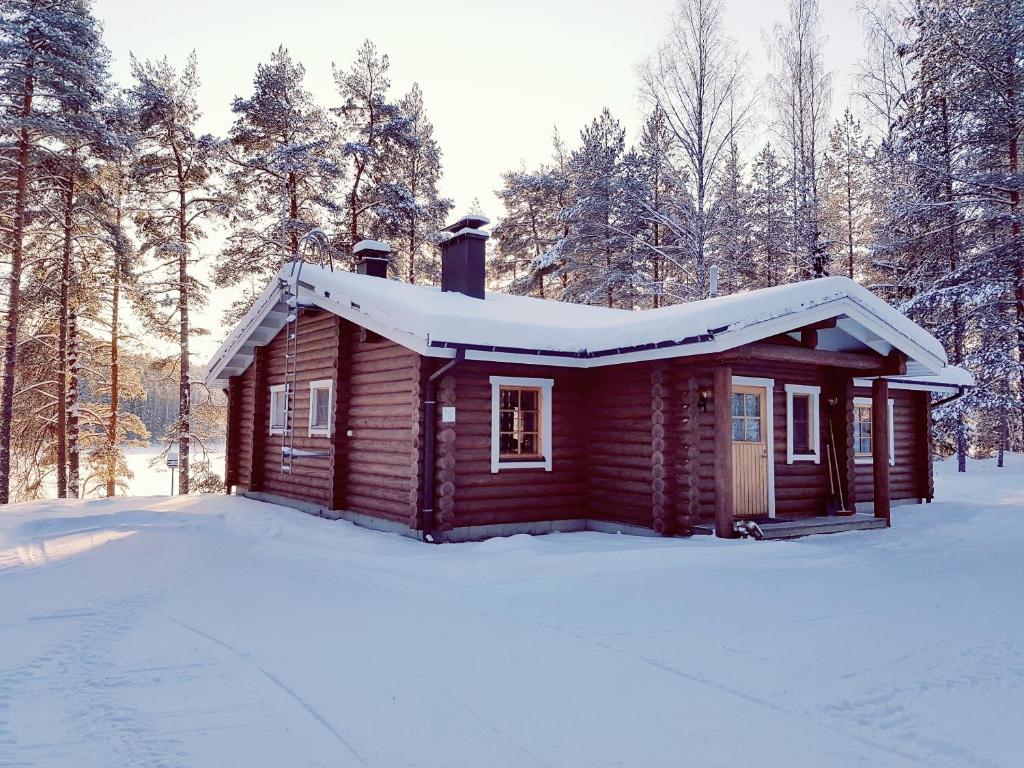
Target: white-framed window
321	407
803	423
520	423
278	408
862	431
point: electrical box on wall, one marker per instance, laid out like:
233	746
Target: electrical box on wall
448	414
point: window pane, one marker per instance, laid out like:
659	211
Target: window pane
507	421
753	405
801	405
529	444
530	421
528	399
737	404
321	401
509	398
737	430
753	430
507	443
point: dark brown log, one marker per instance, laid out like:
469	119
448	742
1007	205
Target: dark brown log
722	397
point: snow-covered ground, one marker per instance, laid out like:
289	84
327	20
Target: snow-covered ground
213	631
151	475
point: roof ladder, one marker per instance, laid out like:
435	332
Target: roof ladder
289	295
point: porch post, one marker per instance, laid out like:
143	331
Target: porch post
722	403
880	446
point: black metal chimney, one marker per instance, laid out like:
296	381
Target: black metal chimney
373	258
462	257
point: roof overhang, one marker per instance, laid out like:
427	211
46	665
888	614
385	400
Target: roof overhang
864	321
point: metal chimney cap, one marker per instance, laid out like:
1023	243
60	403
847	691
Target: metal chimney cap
374	246
470	221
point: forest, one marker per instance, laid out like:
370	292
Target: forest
118	218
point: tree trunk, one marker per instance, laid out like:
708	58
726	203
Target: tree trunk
62	335
114	376
72	403
14	294
185	381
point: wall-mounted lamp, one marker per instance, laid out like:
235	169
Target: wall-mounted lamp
702	398
832	401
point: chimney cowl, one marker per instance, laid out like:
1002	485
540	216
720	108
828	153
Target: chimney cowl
463	257
374	257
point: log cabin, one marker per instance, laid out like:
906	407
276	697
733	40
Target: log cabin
454	413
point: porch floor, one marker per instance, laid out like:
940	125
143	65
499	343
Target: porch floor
806	526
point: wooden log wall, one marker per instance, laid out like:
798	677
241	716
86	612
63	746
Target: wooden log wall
384	416
685	427
911	477
512	495
241	445
662	452
311	478
619	448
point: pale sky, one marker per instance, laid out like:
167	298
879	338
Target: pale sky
497	76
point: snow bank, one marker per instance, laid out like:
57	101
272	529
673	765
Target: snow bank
219	631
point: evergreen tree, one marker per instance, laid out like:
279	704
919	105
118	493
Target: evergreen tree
597	251
413	209
52	62
769	222
373	129
846	200
175	173
281	176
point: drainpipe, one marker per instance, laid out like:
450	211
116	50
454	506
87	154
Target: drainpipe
428	448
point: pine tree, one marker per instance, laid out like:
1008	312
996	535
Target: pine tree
373	128
281	176
846	198
51	69
769	221
597	252
175	173
412	209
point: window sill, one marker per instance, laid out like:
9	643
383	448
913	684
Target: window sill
276	432
538	464
320	432
808	457
869	460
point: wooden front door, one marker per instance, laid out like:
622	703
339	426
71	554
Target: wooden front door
750	454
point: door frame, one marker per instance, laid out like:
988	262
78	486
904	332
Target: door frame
769	417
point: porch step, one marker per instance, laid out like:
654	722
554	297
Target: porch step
791	529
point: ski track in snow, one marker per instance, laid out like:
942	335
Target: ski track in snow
208	632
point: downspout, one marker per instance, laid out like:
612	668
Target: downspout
428	448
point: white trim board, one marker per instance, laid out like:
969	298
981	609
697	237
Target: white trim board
815	423
866	401
769	407
328	384
545	386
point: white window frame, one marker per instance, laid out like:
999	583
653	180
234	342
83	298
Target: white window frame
314	386
814	416
545	386
866	402
277	390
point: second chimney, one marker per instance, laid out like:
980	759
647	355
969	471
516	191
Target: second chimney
462	257
373	257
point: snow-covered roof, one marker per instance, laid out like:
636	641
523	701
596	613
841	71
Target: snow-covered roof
522	329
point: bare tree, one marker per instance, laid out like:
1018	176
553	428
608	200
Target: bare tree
802	93
696	79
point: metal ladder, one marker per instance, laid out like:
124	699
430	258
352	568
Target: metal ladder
290	298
